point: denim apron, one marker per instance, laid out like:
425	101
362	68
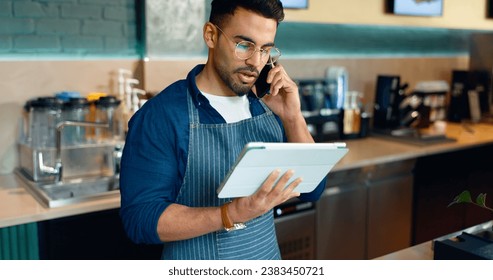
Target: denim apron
213	150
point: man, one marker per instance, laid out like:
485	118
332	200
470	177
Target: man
181	144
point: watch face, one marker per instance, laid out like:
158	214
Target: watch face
236	226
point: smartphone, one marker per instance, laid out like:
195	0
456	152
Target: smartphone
261	85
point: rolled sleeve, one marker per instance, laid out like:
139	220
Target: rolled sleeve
149	176
140	210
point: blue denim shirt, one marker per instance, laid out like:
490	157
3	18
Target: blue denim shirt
155	155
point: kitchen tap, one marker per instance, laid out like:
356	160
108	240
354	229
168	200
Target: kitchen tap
57	170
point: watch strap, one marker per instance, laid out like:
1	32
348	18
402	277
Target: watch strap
227	223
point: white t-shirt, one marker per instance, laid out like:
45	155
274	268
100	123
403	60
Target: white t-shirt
232	108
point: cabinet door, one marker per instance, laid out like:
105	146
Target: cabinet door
479	181
389	215
341	223
438	179
93	236
19	242
296	235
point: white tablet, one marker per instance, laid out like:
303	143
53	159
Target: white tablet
311	161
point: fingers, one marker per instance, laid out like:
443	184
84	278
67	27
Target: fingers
286	190
274	187
281	184
275	190
292	186
275	78
266	187
279	80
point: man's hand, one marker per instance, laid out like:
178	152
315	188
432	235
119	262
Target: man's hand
284	101
284	98
269	195
202	220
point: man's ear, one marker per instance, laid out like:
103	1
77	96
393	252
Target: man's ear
210	35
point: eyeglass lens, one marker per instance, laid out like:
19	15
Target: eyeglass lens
245	50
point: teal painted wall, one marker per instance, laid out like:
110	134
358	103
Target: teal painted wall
319	40
111	28
72	28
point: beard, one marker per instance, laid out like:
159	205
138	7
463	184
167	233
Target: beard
240	89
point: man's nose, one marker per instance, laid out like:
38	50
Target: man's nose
256	59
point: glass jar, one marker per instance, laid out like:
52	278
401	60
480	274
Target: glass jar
108	111
337	83
44	115
75	109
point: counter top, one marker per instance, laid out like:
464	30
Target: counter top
17	206
377	150
423	251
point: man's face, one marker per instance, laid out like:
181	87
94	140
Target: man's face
240	75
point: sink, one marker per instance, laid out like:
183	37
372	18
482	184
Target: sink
69	192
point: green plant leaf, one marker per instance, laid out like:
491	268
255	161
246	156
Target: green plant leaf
464	196
481	200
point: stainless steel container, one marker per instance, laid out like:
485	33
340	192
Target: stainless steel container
81	161
58	162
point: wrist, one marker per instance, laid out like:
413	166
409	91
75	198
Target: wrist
296	130
229	224
233	212
293	118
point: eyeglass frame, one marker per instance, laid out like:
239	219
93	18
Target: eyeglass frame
262	51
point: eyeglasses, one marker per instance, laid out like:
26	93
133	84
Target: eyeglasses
246	49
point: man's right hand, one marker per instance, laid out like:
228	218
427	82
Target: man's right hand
269	195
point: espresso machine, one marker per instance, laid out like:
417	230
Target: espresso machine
331	110
69	151
406	115
321	116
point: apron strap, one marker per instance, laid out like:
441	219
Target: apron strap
266	108
193	113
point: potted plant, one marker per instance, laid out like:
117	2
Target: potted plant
467	246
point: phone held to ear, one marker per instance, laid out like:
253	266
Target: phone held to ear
261	86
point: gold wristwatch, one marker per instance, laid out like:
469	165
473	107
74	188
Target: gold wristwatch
227	223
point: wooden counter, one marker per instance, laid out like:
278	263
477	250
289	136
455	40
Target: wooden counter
424	251
421	251
376	150
17	206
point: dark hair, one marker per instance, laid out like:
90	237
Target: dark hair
221	9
